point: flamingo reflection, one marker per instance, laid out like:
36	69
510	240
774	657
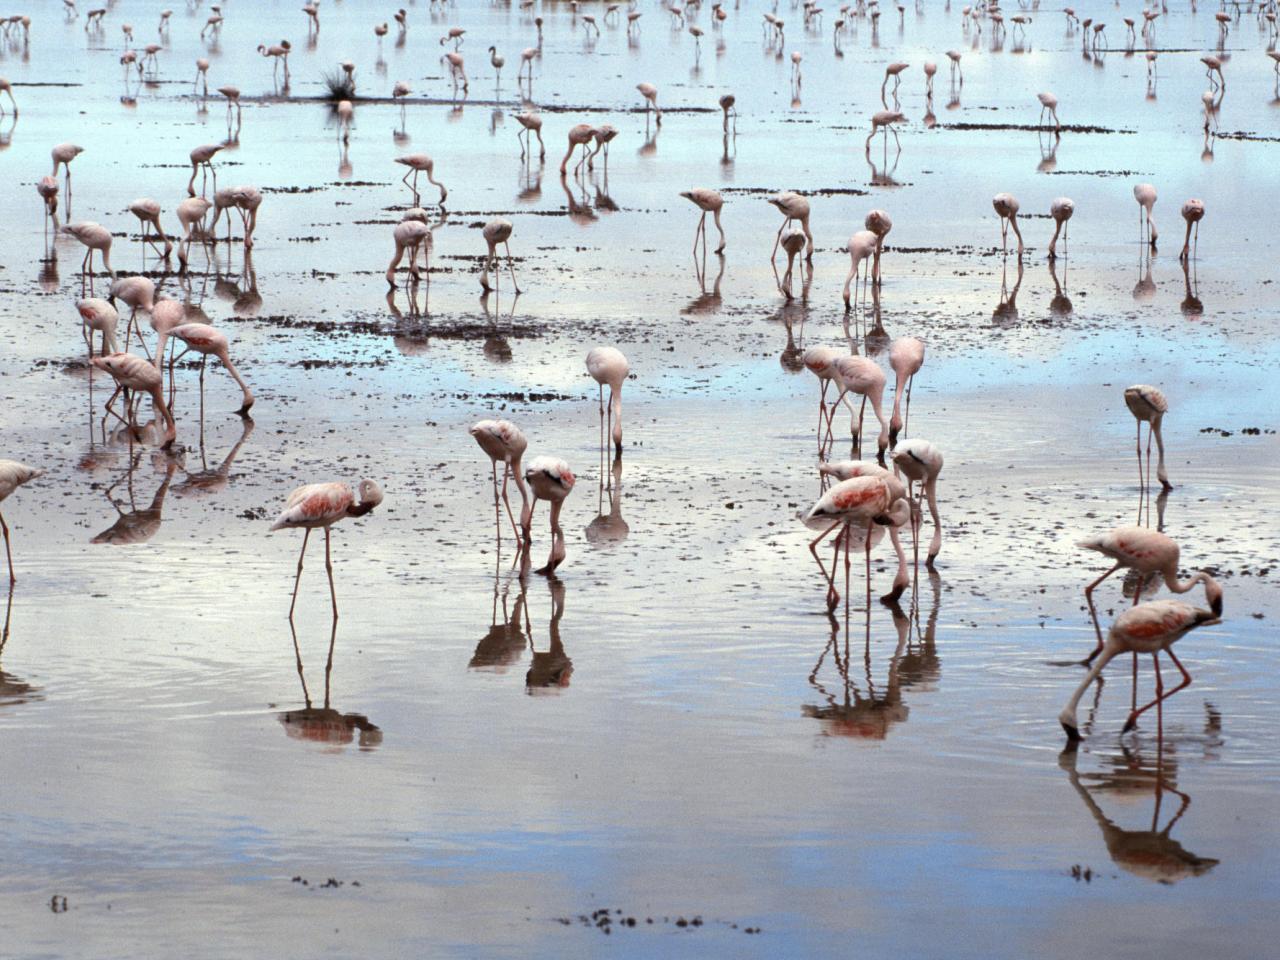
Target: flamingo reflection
13	689
137	525
324	724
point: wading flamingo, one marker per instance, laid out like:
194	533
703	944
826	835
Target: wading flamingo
861	247
793	207
906	357
861	501
140	376
1193	213
1061	210
650	94
1149	404
98	316
921	462
607	365
530	122
410	236
211	342
549	479
1006	207
708	201
503	441
863	376
1145	194
420	163
12	475
497	231
323	505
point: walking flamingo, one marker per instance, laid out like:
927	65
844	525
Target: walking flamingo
1148	404
503	441
95	237
1006	207
530	122
607	365
580	135
793	207
879	223
906	357
861	247
1193	213
1061	210
140	376
708	201
1149	553
202	160
921	462
13	475
280	53
821	362
497	231
650	94
1152	627
322	505
208	341
98	316
420	163
954	57
863	376
137	293
1145	194
549	479
861	501
148	212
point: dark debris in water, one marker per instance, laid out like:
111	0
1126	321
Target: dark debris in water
333	883
606	920
1031	127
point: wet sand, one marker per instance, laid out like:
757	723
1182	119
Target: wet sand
673	728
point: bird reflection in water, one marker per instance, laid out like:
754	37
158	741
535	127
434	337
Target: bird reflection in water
208	481
650	146
13	690
1006	311
707	301
608	527
497	344
1060	305
1145	289
1192	305
882	174
530	182
324	724
137	525
580	211
792	314
1049	141
549	671
1149	853
504	642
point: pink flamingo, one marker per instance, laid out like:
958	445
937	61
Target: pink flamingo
13	475
580	135
208	341
921	462
1149	405
95	237
1193	213
1145	194
879	223
793	207
62	155
550	479
862	501
410	236
1006	207
420	163
530	122
708	201
607	365
863	376
322	505
861	247
137	293
1152	627
202	159
1061	210
906	357
497	231
191	213
148	213
133	373
98	316
650	94
503	441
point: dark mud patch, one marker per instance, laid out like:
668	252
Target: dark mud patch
1031	127
1247	135
605	921
1096	173
292	189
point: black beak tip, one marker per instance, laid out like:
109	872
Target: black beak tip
1073	734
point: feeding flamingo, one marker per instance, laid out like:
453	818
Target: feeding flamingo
13	475
607	365
549	479
503	441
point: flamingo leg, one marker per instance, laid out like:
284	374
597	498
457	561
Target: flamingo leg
506	475
829	577
298	579
1161	695
4	527
510	266
328	566
1093	612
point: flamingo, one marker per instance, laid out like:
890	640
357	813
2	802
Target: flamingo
863	376
793	207
497	61
380	31
346	113
63	154
886	120
1149	405
862	501
399	91
527	56
137	293
549	479
232	95
1152	627
1006	207
497	231
280	51
893	72
98	315
930	68
708	201
1193	213
191	213
580	135
879	223
607	365
7	87
727	107
133	373
906	357
954	57
457	69
420	163
148	212
312	10
530	122
322	505
47	187
1061	210
454	36
202	160
202	75
792	244
95	237
861	246
1145	194
410	235
1049	103
13	475
921	462
650	94
820	361
1149	553
503	441
208	341
166	315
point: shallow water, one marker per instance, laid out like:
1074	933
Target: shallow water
708	743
